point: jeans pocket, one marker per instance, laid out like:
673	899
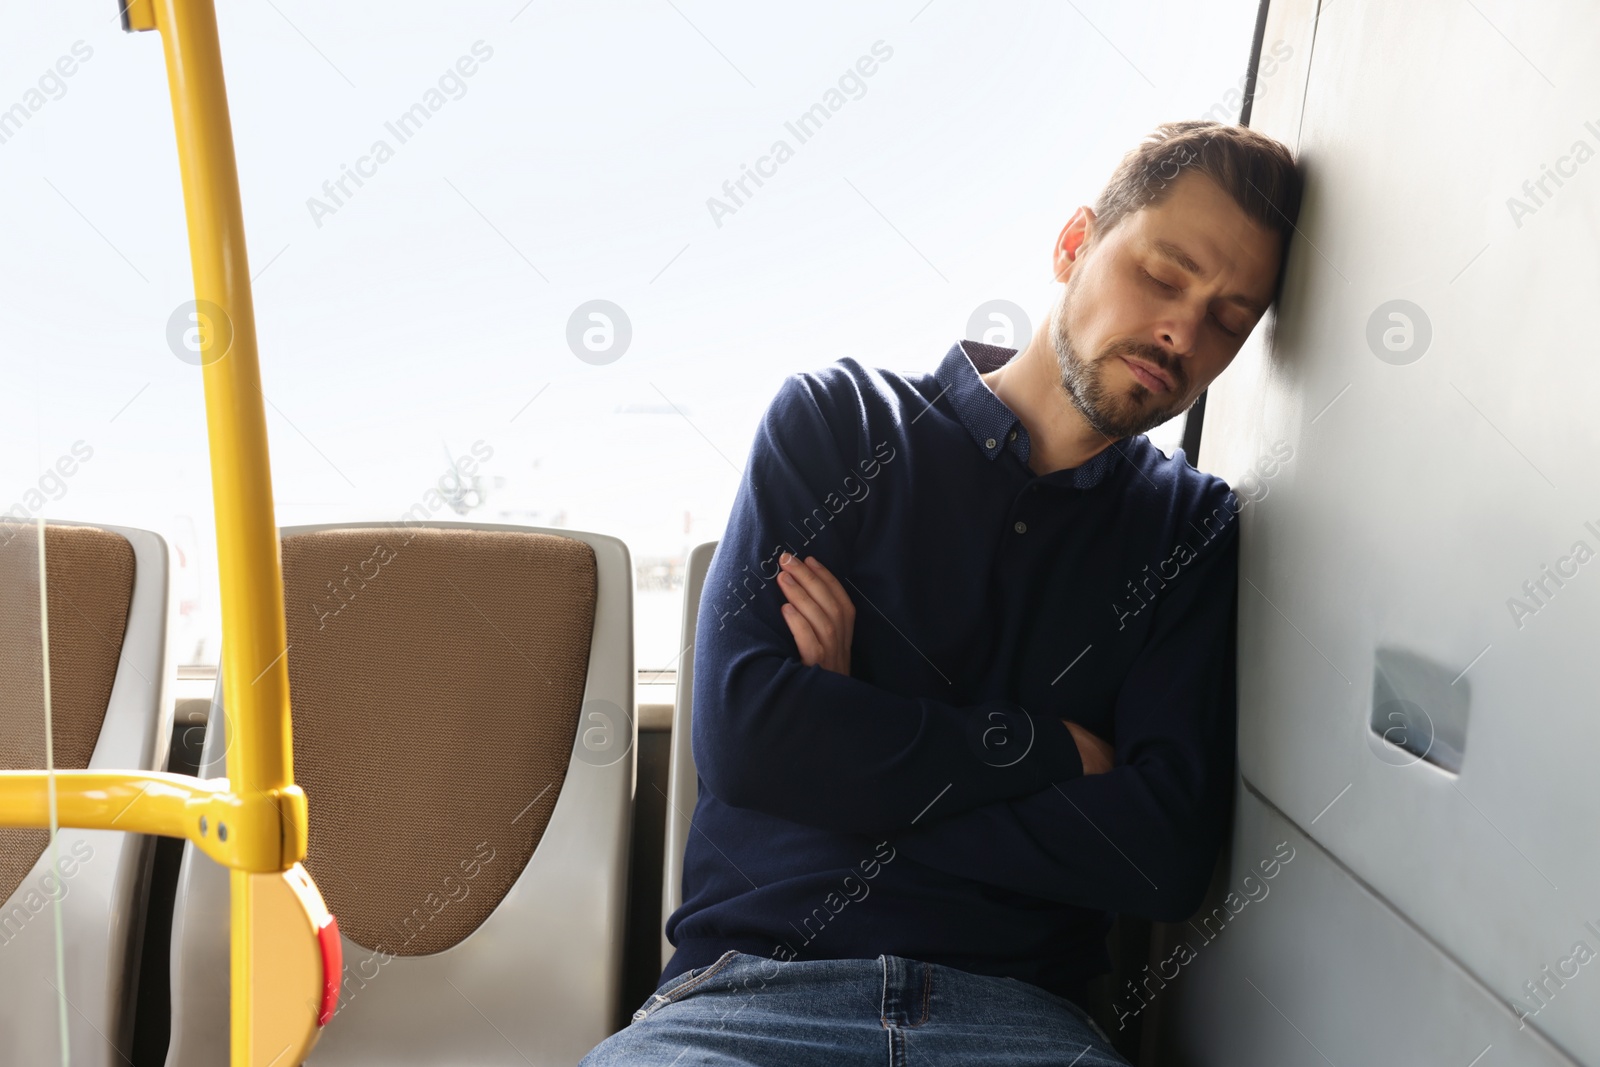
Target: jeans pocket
682	986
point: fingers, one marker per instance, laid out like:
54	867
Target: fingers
808	592
805	639
841	598
1096	754
799	584
819	613
817	582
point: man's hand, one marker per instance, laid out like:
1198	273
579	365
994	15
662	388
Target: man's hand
819	613
1095	753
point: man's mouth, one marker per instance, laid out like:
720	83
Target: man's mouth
1151	377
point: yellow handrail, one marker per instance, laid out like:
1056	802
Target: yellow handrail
254	671
205	810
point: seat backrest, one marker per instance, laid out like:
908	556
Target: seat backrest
683	785
462	700
108	603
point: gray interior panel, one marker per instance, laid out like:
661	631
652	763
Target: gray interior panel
1411	437
1304	966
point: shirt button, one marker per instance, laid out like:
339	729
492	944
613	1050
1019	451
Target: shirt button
1012	436
989	443
1021	527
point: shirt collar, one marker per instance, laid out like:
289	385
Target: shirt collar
994	426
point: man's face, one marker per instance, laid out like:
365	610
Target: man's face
1154	310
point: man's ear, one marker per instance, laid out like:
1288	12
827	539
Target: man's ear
1072	241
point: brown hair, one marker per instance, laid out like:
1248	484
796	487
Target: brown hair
1257	171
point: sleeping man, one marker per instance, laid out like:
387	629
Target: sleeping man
964	664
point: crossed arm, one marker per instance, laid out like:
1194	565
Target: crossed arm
817	746
1138	831
822	618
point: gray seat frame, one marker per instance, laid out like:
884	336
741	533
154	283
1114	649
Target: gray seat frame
683	783
103	898
539	982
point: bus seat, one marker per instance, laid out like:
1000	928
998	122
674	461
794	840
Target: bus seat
463	728
108	602
683	785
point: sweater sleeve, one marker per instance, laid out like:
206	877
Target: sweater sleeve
1142	838
808	744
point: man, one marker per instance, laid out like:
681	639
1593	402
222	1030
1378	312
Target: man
965	660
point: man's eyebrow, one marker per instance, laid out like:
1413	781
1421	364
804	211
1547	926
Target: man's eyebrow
1184	260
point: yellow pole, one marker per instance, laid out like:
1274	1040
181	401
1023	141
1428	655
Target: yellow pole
254	668
255	674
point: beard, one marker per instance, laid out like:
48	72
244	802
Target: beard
1114	411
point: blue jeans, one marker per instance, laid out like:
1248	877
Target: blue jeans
750	1010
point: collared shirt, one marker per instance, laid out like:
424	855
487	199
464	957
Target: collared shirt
932	804
993	425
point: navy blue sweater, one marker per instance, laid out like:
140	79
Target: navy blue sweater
932	805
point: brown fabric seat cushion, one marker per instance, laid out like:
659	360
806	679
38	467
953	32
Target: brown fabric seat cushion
436	678
89	580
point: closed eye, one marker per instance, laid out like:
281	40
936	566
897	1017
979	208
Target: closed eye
1158	281
1174	289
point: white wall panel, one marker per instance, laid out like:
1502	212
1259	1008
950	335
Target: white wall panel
1427	484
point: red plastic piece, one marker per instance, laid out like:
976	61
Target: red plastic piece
332	969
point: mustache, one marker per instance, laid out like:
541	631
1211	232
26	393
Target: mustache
1152	354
